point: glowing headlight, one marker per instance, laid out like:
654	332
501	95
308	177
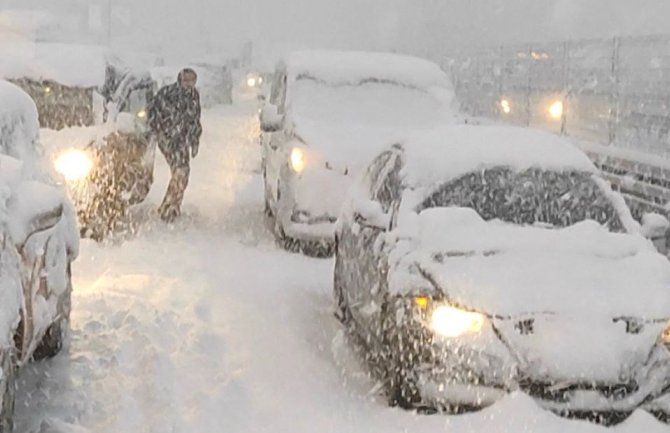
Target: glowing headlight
74	165
556	110
297	160
505	106
142	114
47	89
251	81
260	80
452	322
665	336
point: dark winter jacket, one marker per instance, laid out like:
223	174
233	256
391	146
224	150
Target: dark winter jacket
176	113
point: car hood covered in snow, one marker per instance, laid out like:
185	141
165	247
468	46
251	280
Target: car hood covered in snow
507	270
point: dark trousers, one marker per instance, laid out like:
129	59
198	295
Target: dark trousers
178	157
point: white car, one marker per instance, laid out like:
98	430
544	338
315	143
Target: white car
38	242
327	115
476	260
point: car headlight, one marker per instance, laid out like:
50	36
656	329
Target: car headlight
297	160
251	81
665	336
448	321
556	110
505	106
74	165
142	114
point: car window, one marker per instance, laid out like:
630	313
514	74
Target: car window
533	196
277	82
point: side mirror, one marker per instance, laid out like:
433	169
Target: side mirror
270	119
369	214
655	227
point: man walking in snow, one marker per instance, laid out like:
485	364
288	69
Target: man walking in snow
174	121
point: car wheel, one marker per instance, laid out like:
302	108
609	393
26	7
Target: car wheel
342	312
268	208
401	379
53	339
7	390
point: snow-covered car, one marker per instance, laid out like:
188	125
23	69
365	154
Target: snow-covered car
475	260
60	78
114	168
327	115
38	242
254	81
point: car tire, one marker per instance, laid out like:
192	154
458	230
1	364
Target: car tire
268	209
52	342
401	380
7	390
342	312
54	338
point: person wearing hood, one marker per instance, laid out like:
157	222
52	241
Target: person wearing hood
174	122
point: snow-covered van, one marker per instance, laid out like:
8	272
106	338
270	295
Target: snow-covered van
328	113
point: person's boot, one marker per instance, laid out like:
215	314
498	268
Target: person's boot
169	214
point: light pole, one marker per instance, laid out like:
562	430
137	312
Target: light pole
109	23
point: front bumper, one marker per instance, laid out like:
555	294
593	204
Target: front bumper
320	230
477	371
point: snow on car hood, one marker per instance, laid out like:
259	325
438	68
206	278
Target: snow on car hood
350	148
505	269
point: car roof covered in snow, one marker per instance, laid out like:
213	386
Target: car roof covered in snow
437	156
342	67
68	64
19	124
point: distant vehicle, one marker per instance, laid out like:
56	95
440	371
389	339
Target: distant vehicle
114	170
328	113
38	242
475	260
61	78
255	81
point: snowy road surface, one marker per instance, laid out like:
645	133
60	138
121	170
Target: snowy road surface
208	327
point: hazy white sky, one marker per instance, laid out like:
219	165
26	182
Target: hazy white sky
190	27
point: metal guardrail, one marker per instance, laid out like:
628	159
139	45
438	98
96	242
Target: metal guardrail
611	92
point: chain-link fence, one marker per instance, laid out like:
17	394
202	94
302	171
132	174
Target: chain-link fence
609	91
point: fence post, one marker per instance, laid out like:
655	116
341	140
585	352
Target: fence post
501	80
566	88
613	120
529	86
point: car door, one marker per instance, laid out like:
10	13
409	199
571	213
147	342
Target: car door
365	241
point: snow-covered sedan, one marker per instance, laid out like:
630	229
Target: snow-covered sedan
38	241
328	114
476	260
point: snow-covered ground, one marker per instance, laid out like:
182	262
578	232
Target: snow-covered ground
207	326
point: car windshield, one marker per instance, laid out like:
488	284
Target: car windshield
533	196
370	102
